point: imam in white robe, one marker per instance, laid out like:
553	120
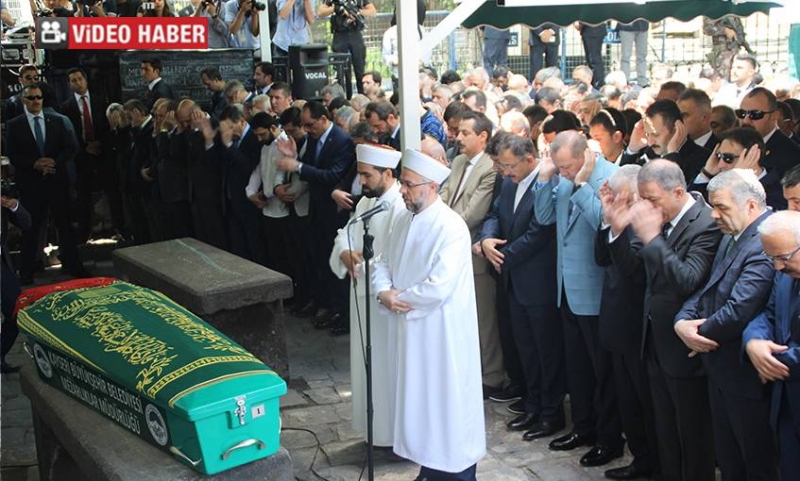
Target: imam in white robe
439	419
383	383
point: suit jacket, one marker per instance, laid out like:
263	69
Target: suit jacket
98	107
475	200
324	172
622	304
203	169
772	186
782	154
711	143
140	157
579	276
774	323
23	151
736	292
691	157
675	267
13	106
160	90
237	165
529	266
22	219
533	38
173	166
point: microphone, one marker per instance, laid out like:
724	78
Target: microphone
383	206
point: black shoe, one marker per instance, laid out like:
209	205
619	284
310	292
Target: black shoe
571	441
600	455
512	393
6	368
543	429
329	322
517	407
306	310
322	314
522	422
488	391
630	471
341	328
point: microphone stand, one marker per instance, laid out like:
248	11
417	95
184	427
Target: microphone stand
368	253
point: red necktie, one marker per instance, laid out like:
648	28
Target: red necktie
88	130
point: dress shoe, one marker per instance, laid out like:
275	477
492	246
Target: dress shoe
571	441
511	393
322	314
543	429
6	368
600	455
630	471
330	321
489	390
517	407
522	422
341	327
306	310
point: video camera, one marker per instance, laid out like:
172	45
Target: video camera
349	7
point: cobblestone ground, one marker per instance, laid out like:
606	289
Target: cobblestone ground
318	400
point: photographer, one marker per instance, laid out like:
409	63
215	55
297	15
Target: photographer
219	35
294	18
161	9
242	19
347	24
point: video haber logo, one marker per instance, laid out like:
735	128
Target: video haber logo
106	33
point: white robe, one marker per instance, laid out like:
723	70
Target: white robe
383	384
439	409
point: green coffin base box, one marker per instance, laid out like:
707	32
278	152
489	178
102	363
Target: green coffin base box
151	366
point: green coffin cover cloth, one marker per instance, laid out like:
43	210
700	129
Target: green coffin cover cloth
141	339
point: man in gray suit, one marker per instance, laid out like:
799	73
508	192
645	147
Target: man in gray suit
713	319
567	195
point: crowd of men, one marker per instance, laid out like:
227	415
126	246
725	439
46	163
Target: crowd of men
625	244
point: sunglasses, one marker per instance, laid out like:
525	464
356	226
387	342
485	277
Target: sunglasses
34	97
726	157
753	114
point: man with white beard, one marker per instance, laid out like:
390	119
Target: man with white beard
376	166
426	287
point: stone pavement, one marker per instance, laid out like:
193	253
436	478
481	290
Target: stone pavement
318	400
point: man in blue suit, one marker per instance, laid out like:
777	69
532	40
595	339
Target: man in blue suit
524	253
328	157
570	200
772	339
712	320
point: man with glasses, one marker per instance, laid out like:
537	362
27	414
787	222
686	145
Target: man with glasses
523	253
28	75
427	290
329	154
713	319
40	149
771	340
757	112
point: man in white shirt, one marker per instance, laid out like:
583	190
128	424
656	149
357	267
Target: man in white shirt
423	283
743	70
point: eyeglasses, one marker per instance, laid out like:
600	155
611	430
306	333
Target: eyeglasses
34	97
753	114
505	167
410	185
726	157
30	77
784	258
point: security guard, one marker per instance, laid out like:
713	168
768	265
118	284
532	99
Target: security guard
346	25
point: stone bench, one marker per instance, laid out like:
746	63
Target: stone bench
240	298
75	443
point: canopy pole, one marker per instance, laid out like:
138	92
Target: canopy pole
408	49
448	24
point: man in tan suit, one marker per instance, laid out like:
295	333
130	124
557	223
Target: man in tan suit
468	191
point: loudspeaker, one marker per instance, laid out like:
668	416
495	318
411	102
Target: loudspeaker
308	70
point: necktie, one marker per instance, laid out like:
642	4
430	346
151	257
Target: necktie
458	186
729	247
665	230
319	149
236	143
88	130
37	132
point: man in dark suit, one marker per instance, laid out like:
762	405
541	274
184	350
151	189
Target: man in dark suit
329	154
620	326
13	212
543	41
212	80
136	189
523	252
156	86
712	320
771	340
87	112
695	108
679	241
172	176
758	111
666	137
40	148
592	37
385	122
239	152
13	106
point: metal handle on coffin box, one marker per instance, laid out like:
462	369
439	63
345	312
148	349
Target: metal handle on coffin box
27	348
243	444
177	452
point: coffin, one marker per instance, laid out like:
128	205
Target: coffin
146	363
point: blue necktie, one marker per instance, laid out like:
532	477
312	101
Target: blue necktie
319	149
37	131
